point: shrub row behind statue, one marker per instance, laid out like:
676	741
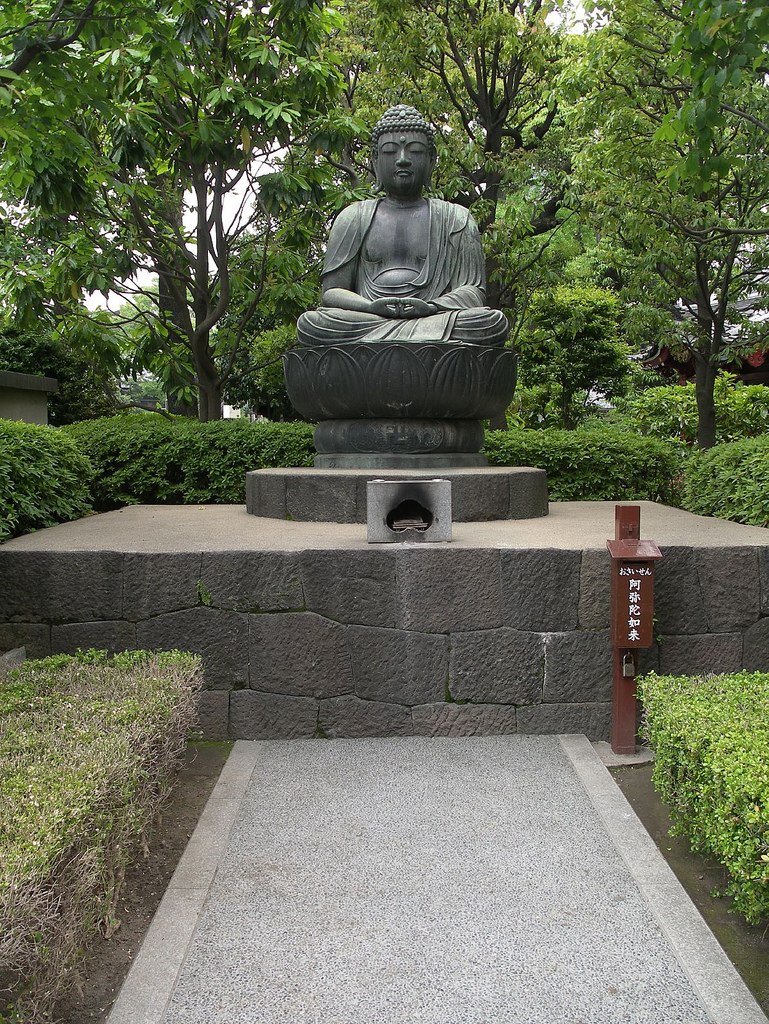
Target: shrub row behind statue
402	267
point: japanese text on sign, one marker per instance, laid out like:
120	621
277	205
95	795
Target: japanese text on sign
633	608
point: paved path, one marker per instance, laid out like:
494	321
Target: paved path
426	881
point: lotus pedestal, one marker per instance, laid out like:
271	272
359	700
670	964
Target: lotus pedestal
397	405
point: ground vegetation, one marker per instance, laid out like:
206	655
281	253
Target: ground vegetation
597	464
88	745
731	481
146	459
670	410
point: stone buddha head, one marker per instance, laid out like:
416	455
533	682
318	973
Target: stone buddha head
403	152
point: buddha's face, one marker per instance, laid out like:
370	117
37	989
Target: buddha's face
403	163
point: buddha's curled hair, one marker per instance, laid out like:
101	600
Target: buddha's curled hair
402	118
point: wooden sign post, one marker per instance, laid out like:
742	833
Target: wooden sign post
632	618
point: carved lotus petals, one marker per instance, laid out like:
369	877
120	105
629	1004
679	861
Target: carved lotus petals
500	370
396	381
337	376
299	371
391	379
457	379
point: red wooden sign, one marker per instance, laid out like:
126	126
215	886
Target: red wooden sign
632	604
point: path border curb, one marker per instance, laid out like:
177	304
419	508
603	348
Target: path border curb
722	992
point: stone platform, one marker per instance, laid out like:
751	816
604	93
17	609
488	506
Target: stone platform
307	630
339	495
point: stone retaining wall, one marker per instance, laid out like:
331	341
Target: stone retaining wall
389	641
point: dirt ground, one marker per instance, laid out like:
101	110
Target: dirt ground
107	960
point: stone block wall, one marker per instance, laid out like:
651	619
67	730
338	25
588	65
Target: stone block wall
400	640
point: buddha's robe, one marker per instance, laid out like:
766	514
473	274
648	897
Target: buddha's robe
452	278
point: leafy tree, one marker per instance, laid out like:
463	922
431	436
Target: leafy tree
698	248
720	44
571	350
483	74
174	121
260	386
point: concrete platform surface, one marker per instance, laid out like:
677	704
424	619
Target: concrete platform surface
570	525
426	881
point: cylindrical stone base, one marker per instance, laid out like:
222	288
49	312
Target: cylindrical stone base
398	436
338	494
387	460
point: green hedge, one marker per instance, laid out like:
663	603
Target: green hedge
731	481
44	478
599	464
150	460
87	748
145	459
711	742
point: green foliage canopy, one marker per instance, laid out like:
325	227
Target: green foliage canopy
701	248
139	146
720	45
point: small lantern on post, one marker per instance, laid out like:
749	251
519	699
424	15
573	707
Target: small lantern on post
632	618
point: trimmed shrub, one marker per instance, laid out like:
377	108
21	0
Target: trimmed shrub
711	741
87	748
44	478
731	481
592	465
146	459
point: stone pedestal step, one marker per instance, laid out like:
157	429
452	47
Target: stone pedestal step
339	495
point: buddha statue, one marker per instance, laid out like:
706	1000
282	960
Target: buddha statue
403	360
402	267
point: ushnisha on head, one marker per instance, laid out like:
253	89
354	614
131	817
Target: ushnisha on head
402	118
402	151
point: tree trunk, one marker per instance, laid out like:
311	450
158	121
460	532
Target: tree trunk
704	381
209	401
210	385
175	325
705	354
